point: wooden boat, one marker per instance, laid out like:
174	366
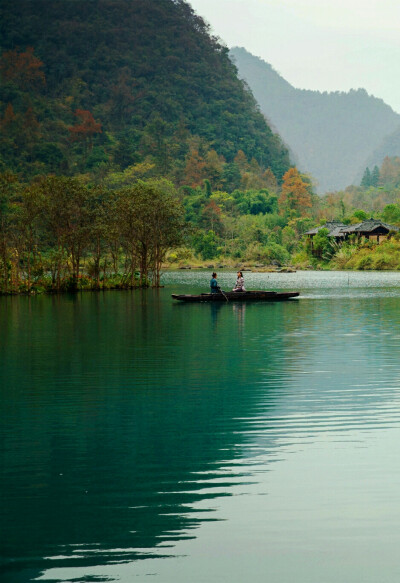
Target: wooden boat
247	296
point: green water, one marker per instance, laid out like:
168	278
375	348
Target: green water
142	439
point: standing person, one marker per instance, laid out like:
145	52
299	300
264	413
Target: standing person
239	287
214	284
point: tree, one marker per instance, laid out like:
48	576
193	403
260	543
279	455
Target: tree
276	252
206	244
255	202
85	129
124	153
214	167
123	96
211	216
391	214
322	243
366	179
151	222
359	216
9	117
390	171
99	225
27	224
167	222
158	142
295	194
231	177
22	68
113	230
129	175
31	125
8	187
207	188
269	180
242	162
289	238
375	176
194	172
68	220
49	154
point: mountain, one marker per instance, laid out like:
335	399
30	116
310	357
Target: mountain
102	84
390	146
332	135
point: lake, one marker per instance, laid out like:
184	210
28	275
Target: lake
146	440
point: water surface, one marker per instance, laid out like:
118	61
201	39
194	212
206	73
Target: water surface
145	439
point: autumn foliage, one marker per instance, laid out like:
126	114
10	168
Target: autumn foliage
194	170
86	128
22	68
9	117
295	193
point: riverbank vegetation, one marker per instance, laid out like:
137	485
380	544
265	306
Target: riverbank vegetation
58	234
62	233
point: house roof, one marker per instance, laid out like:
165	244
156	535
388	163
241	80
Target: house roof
334	228
338	229
371	224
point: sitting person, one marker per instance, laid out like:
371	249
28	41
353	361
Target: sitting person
239	287
214	284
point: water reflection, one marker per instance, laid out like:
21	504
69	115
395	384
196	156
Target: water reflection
126	418
239	310
98	392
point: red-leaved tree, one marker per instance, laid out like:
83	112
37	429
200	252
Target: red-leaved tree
22	68
85	129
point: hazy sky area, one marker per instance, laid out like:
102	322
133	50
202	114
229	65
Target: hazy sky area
317	44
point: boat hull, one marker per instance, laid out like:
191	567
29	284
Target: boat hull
248	296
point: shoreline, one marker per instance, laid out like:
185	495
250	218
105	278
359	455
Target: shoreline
174	268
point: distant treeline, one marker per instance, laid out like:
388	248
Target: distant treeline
59	234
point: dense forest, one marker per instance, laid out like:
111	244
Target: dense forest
94	86
332	135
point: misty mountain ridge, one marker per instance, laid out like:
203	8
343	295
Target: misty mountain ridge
333	135
390	146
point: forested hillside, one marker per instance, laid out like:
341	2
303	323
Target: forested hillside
332	135
99	86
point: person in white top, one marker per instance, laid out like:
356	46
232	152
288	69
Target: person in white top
239	287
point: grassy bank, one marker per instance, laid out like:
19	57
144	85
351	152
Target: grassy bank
359	257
